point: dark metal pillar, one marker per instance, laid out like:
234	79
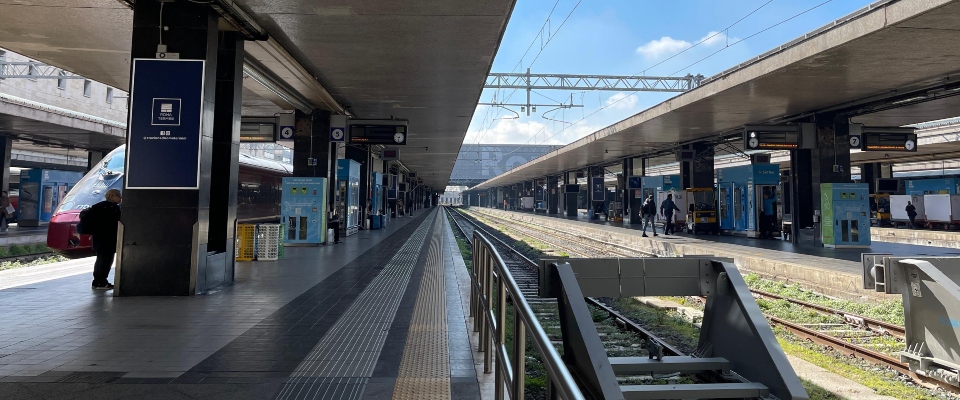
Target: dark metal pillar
553	195
93	159
221	237
699	172
829	162
163	236
6	145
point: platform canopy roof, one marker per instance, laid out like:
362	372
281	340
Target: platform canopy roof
421	60
889	61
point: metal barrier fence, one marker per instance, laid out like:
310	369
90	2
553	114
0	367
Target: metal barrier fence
492	285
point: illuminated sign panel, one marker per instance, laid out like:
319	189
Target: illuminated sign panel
889	139
771	137
378	134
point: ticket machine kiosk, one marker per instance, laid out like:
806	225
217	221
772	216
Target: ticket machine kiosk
743	192
304	210
845	211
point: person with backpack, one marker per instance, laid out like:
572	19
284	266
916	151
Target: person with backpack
648	212
667	207
100	221
912	214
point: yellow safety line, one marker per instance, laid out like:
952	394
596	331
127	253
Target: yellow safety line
425	368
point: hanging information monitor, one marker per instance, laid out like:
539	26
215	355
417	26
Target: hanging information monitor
390	132
771	137
889	139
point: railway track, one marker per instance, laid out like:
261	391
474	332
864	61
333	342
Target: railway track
823	334
525	272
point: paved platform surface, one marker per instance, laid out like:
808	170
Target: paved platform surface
22	235
918	237
828	271
362	319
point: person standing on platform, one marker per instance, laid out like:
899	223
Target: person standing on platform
103	218
648	211
767	215
912	214
4	210
667	207
334	221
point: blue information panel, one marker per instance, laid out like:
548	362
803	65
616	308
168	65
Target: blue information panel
163	134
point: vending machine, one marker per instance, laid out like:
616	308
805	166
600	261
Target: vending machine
845	215
304	210
348	195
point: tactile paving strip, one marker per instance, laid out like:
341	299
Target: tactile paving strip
351	347
425	368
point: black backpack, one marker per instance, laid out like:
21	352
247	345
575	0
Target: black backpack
87	223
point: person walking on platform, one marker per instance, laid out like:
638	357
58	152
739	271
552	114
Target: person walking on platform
648	211
5	212
912	214
335	225
100	221
667	207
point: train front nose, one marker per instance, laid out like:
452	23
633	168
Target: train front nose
62	232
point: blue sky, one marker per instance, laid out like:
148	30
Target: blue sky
628	37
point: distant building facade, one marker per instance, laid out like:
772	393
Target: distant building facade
477	163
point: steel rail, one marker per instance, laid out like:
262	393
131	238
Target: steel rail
868	323
838	344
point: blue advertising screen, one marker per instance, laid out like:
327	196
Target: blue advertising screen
163	133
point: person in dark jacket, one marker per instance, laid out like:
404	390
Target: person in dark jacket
912	214
667	207
648	211
106	216
335	225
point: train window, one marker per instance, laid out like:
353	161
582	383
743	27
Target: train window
115	163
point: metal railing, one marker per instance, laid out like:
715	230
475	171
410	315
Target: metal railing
488	307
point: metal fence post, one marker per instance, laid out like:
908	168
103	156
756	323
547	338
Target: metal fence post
519	354
501	332
487	357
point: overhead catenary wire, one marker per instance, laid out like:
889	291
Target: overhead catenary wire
695	63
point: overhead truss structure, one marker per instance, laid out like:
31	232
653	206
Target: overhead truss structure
33	70
617	83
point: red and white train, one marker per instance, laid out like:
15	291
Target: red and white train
258	197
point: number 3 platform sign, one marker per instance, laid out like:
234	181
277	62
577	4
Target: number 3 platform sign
164	130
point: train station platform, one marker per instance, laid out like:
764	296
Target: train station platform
834	272
919	237
23	235
381	315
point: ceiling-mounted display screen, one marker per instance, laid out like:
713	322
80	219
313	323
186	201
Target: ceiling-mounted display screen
889	139
378	134
771	137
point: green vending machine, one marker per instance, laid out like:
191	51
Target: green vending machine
845	215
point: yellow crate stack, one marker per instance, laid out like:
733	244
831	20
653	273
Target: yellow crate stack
246	244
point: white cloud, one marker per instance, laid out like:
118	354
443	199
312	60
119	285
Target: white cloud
512	131
621	101
668	45
663	46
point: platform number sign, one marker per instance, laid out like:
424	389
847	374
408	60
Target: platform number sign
286	132
337	134
854	141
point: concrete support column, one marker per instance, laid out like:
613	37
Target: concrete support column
698	173
221	236
6	145
570	198
626	195
829	162
163	233
93	159
869	173
553	195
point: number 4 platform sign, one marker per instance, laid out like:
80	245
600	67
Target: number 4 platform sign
163	133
